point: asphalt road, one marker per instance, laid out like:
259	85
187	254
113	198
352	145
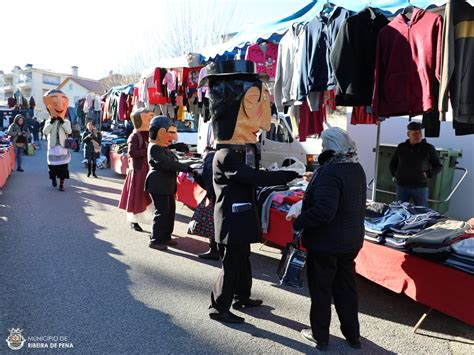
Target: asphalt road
71	268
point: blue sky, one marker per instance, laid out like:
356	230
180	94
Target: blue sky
101	35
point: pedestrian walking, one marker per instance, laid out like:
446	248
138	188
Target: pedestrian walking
76	135
92	140
57	129
19	133
332	225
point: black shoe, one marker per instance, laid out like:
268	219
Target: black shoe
247	303
94	175
211	254
88	174
19	169
136	227
54	182
158	246
61	188
354	344
308	335
171	242
225	317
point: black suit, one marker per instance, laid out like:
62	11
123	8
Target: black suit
161	185
234	182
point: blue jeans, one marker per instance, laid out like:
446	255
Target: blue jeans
418	194
18	155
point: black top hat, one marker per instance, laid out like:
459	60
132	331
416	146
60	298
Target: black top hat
231	68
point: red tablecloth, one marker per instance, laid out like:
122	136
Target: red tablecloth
118	162
435	285
189	193
7	163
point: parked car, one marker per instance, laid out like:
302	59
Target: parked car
279	145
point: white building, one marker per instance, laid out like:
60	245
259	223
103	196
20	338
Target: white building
36	82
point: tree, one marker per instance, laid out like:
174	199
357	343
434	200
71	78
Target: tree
185	26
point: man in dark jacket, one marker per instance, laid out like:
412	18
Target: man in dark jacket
413	164
161	180
240	106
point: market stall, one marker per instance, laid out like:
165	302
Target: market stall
433	284
7	163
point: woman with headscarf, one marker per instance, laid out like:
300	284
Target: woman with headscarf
19	133
332	226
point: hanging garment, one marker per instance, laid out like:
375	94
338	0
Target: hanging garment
316	70
353	57
361	116
311	123
407	65
170	80
286	79
203	91
264	55
457	69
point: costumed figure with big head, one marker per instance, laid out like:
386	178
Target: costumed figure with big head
161	180
134	199
56	129
240	107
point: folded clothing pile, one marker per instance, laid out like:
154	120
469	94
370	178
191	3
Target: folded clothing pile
462	255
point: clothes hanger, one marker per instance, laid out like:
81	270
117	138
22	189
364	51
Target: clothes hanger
328	7
408	9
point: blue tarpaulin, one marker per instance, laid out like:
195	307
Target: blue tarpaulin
252	33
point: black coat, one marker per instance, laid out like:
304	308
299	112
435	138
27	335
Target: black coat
353	57
414	165
234	182
334	209
164	168
87	138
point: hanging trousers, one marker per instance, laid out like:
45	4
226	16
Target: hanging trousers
235	278
163	218
332	276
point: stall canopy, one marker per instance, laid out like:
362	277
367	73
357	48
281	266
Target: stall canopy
252	33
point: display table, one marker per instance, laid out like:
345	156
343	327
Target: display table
435	285
7	164
118	162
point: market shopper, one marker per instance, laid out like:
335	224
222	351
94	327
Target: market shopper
133	198
19	133
161	180
92	140
332	225
240	107
206	182
56	129
76	135
413	164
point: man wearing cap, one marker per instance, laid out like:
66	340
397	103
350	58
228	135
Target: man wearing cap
413	164
240	107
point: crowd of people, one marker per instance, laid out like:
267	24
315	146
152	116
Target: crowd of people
332	217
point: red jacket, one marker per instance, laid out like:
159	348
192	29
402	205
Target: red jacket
407	64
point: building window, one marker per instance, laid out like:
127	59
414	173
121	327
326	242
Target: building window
51	79
70	87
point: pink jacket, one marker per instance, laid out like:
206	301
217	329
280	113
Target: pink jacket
265	60
408	64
